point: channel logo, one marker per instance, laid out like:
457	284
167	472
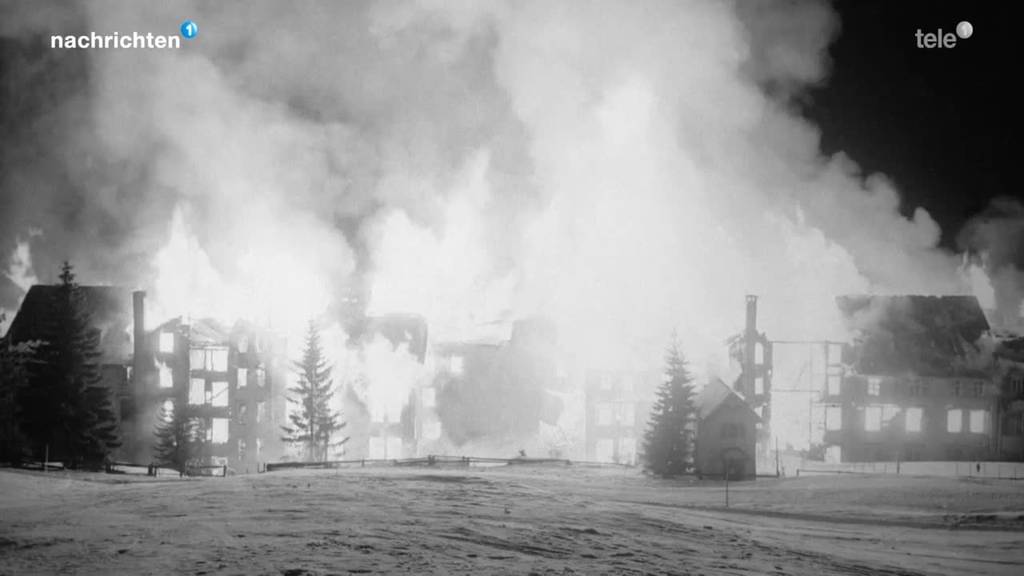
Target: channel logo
189	29
940	39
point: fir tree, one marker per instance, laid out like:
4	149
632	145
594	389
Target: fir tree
314	425
70	409
179	441
669	440
13	382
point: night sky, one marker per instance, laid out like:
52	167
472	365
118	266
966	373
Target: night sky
937	121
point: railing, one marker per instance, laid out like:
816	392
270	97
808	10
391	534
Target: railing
435	460
157	470
976	469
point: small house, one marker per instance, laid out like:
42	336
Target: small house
726	434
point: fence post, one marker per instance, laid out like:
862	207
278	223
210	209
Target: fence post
225	472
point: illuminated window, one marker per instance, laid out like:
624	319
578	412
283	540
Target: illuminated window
954	421
219	396
218	358
873	418
758	386
197	359
627	450
261	377
977	421
835	353
259	447
166	377
627	414
378	449
874	386
197	391
913	419
243	344
219	430
834	381
429	398
604	415
457	365
167	342
889	411
834	418
241	448
432	430
242	410
210	359
394	448
261	411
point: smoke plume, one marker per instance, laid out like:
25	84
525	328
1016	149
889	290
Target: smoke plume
623	168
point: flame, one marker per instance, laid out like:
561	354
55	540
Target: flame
272	286
388	377
447	277
979	283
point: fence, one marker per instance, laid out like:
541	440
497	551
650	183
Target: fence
156	470
434	461
1003	470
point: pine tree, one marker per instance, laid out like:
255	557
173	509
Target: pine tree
13	383
314	424
669	440
179	442
71	412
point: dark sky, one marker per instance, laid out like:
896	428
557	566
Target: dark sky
937	121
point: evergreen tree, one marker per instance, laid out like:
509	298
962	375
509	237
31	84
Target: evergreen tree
314	425
13	382
70	406
669	440
179	441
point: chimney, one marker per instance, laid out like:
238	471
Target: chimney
751	314
139	325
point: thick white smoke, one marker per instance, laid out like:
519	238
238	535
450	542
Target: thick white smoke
625	168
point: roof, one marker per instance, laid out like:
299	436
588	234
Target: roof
925	335
110	310
400	329
1011	349
715	395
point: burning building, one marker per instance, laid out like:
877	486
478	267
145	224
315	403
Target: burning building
495	395
918	382
231	378
617	407
379	405
1009	363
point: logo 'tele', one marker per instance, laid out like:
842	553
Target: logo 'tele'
940	39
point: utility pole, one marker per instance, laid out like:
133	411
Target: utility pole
777	457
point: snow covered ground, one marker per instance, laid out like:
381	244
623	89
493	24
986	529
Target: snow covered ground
510	520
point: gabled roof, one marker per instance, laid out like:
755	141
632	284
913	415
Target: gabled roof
110	311
716	395
926	335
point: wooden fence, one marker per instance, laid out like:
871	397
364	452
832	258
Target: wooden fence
436	461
